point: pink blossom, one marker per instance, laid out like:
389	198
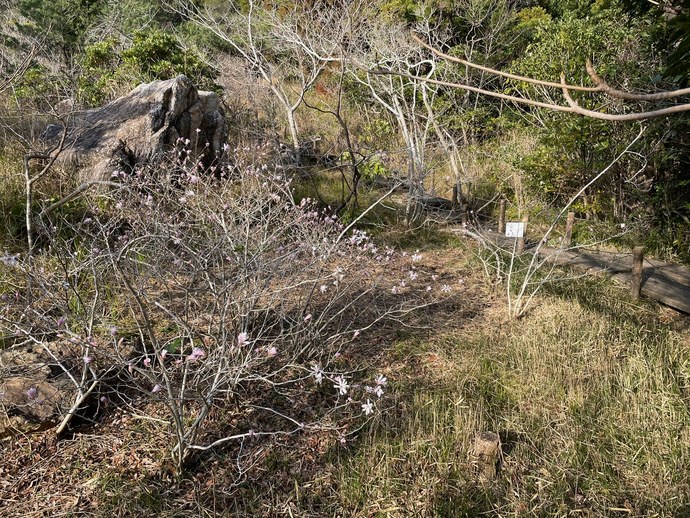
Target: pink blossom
88	359
272	352
197	353
242	339
147	362
156	388
32	393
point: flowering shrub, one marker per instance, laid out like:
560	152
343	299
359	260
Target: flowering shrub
216	296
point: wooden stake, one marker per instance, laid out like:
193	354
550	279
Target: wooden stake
486	454
568	230
502	217
636	284
521	240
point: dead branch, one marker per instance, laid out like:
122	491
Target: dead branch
572	106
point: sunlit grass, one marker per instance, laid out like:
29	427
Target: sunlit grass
592	411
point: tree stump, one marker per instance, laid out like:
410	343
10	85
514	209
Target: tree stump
486	454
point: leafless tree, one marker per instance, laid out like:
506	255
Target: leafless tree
289	48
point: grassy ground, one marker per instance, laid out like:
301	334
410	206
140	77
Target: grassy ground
589	392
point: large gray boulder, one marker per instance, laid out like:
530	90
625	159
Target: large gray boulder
142	125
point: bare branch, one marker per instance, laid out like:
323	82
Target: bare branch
573	106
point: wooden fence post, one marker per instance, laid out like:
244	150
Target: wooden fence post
521	240
636	284
502	217
569	230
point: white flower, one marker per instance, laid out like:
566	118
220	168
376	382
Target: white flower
378	390
413	275
355	334
416	258
323	288
381	380
394	290
272	352
368	407
341	385
445	288
156	388
317	373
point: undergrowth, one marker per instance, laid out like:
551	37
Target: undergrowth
589	393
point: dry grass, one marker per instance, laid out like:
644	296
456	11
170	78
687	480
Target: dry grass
592	411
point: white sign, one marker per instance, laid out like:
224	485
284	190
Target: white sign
515	229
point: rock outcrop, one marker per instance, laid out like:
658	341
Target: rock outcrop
141	126
34	391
